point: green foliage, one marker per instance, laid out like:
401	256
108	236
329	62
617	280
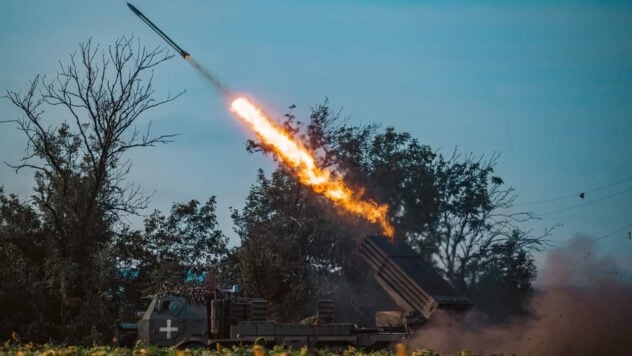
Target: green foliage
72	266
452	210
510	268
148	350
289	244
172	250
23	298
60	242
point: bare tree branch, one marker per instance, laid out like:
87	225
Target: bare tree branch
476	215
105	92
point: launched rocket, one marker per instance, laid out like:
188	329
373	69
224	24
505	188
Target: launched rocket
182	52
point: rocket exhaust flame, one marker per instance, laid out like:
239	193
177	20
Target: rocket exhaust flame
300	160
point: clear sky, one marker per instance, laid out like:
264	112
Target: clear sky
547	84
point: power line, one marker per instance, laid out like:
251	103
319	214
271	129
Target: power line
587	203
586	242
575	195
549	200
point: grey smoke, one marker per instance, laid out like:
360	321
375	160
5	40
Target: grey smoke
217	84
583	307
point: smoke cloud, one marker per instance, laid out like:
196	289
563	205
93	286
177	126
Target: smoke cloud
583	306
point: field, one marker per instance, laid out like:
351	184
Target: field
140	350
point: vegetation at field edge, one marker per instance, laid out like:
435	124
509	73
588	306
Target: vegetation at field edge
30	349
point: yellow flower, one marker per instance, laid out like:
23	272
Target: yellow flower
140	352
401	349
259	350
303	351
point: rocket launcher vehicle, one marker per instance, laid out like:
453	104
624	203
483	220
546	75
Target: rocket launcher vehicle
187	318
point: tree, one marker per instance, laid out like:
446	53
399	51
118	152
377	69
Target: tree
510	268
22	247
290	245
80	170
176	249
453	211
474	217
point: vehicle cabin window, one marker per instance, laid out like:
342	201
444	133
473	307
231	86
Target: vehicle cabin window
170	306
174	307
164	305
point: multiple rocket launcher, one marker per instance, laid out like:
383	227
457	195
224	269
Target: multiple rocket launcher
413	284
187	317
397	268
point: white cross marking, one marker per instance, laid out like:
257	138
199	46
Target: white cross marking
168	329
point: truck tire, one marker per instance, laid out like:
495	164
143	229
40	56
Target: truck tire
192	346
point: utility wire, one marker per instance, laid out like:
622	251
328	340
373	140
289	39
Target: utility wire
586	203
575	195
586	242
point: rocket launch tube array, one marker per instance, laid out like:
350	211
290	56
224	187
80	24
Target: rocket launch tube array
411	283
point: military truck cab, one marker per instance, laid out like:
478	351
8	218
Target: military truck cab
172	320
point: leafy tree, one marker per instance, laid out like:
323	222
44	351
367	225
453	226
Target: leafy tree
510	268
453	211
474	217
398	170
22	247
289	245
98	98
173	250
391	167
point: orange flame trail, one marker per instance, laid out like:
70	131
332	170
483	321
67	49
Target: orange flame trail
299	159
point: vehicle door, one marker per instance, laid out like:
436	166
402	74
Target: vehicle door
169	322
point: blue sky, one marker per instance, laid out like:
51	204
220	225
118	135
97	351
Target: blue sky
546	84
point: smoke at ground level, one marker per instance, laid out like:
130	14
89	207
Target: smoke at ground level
583	308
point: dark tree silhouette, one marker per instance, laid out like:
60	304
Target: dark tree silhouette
78	127
180	248
291	245
453	211
475	217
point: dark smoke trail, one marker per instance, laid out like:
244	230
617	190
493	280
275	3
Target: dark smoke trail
211	78
583	308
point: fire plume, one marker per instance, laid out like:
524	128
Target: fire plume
298	158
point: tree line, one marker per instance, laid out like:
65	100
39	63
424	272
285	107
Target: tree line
72	265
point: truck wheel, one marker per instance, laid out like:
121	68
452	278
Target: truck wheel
192	346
